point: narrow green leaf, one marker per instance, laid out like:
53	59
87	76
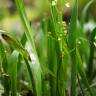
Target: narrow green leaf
83	43
12	68
51	52
23	42
60	18
92	53
28	63
52	64
36	69
82	72
3	57
84	12
80	84
63	63
72	45
4	66
25	22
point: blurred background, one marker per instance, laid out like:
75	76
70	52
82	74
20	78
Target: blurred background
36	10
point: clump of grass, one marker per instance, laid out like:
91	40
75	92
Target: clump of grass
57	69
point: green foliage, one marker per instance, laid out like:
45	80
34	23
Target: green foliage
72	46
57	60
12	70
36	69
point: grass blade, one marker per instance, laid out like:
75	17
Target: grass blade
72	45
4	62
11	40
84	12
12	68
82	73
83	43
36	69
63	63
52	63
92	53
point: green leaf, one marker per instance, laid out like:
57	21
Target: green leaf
36	69
82	72
63	54
12	68
92	54
72	45
84	12
4	62
23	42
83	43
3	58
